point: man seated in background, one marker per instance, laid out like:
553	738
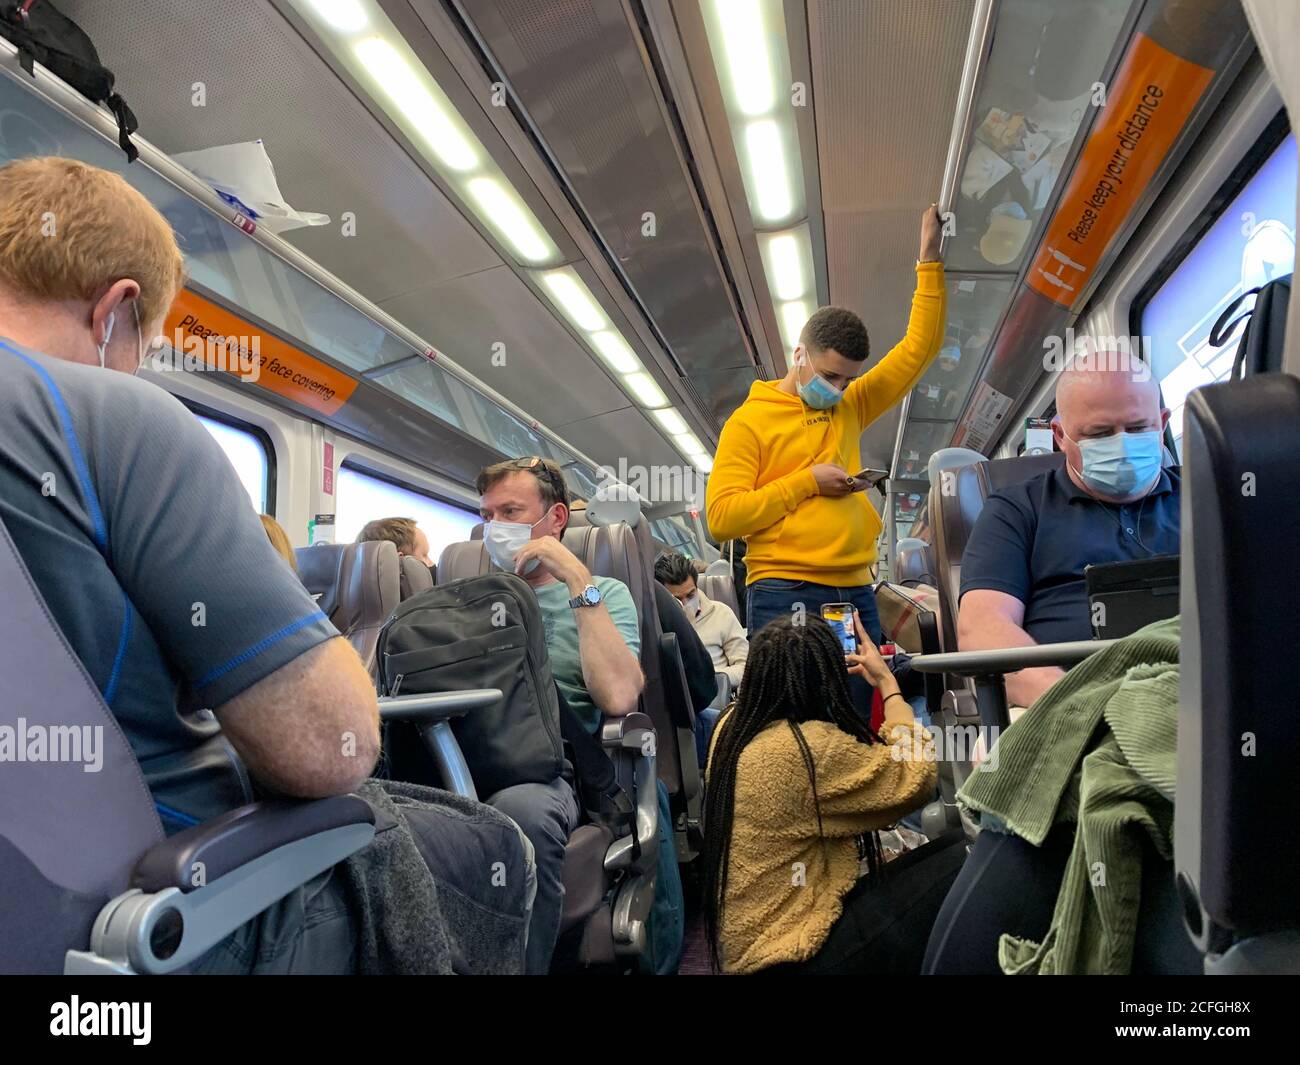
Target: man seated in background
718	626
155	532
594	643
718	629
1022	577
409	537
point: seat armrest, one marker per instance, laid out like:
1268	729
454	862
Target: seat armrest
192	891
626	731
437	706
635	734
432	715
1009	659
240	836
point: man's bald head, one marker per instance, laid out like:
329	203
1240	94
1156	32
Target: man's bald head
1106	377
1100	394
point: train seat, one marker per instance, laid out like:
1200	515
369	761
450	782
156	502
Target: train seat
413	578
1235	872
608	888
357	586
627	553
101	890
721	588
914	563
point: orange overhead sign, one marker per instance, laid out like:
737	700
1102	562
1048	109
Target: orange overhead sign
1150	99
200	329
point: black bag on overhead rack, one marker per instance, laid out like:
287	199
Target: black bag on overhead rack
44	34
1264	338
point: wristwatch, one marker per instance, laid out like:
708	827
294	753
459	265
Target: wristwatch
589	596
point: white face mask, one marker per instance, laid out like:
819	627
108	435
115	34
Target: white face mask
503	539
692	604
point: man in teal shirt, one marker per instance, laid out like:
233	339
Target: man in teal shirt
594	644
591	623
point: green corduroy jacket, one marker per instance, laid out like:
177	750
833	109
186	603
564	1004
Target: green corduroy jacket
1096	751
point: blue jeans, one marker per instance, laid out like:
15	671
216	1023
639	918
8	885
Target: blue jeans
774	597
547	814
666	925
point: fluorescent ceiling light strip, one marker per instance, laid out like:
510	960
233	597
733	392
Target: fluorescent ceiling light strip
413	98
768	171
346	16
644	390
794	315
672	422
703	463
748	60
785	260
506	213
689	443
615	351
574	299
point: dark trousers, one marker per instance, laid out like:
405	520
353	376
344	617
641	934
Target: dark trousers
547	814
774	597
1010	886
887	917
313	930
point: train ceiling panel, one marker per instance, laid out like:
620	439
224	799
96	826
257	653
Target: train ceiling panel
579	71
485	319
885	87
885	81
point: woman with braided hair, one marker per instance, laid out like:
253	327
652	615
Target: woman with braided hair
797	785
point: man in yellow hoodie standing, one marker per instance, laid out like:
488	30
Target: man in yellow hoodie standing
782	477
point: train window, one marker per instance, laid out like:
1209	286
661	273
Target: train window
362	497
676	536
1250	242
248	453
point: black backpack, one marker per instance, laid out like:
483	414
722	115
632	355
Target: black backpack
481	632
1263	340
43	34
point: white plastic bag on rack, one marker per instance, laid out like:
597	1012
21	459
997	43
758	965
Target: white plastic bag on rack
243	176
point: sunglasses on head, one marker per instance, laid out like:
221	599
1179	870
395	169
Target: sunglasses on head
541	469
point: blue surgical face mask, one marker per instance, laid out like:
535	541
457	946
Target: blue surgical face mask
1120	464
818	393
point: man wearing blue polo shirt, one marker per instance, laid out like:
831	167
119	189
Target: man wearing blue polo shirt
1022	573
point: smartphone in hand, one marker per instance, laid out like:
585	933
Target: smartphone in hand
868	478
839	616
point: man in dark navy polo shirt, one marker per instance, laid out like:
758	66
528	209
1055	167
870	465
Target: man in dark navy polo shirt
1022	573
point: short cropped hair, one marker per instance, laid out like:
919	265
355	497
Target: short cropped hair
837	328
69	230
674	569
549	476
400	531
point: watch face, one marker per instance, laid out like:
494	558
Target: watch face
591	595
